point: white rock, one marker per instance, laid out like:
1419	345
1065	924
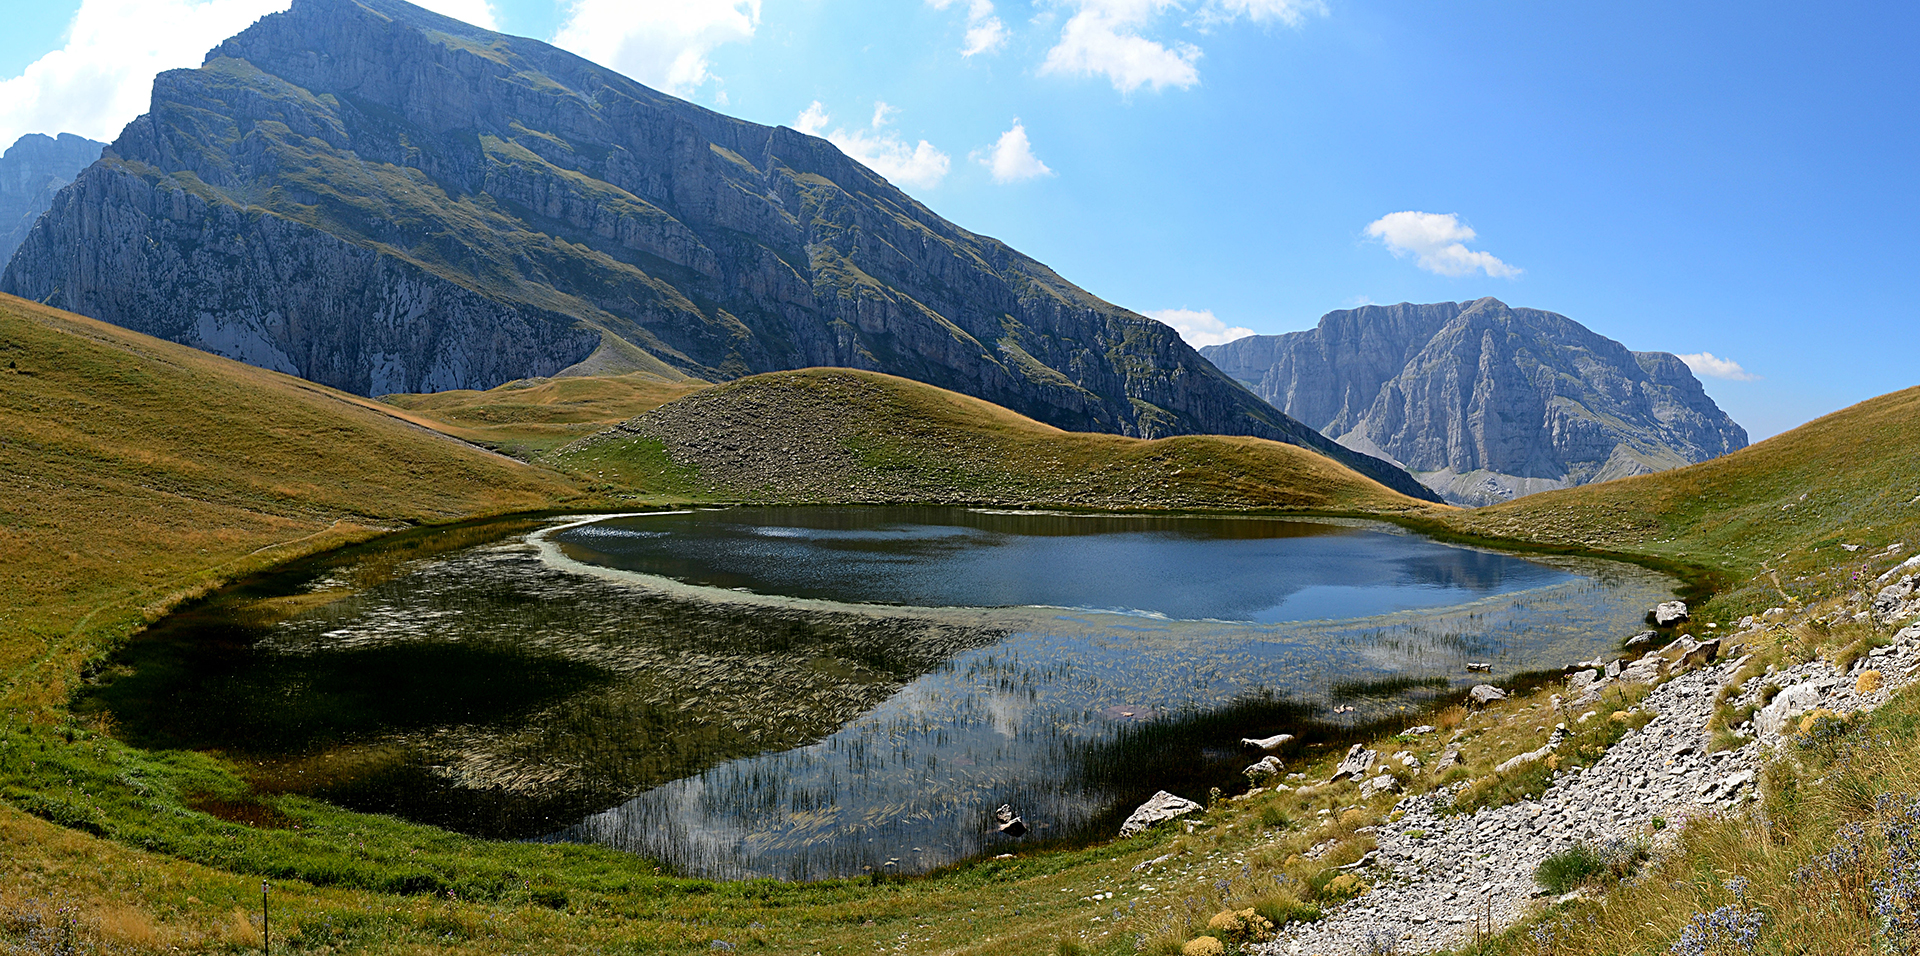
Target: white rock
1789	703
1486	694
1358	761
1160	807
1274	742
1669	613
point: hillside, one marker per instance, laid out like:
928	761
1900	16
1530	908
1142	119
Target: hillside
1484	402
529	417
406	203
1788	504
139	471
842	435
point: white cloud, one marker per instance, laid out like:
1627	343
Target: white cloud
884	153
1440	243
1011	158
1712	366
1109	38
1199	327
103	76
662	43
985	32
1103	39
1290	12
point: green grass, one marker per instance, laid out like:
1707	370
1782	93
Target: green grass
880	438
140	474
527	419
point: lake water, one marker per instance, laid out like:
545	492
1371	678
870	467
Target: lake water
814	692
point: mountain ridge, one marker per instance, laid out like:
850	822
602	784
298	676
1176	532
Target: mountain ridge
385	200
1484	402
33	170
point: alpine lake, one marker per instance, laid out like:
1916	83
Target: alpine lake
806	693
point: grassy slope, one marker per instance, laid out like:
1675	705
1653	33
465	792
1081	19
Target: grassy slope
138	471
847	435
1784	505
528	418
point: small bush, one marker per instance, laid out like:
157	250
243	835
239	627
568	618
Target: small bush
1203	946
1569	869
1282	908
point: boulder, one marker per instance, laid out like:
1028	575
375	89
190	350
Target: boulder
1896	603
1358	761
1268	766
1669	613
1159	808
1009	822
1475	668
1383	783
1578	684
1894	572
1703	653
1789	703
1274	742
1644	637
1484	694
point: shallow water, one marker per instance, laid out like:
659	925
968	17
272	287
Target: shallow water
880	686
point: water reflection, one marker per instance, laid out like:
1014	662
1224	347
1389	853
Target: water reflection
486	680
1242	569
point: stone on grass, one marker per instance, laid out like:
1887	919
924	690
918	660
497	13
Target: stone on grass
1358	761
1159	808
1268	766
1669	613
1484	694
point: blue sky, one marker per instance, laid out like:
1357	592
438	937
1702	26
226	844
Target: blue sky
1733	179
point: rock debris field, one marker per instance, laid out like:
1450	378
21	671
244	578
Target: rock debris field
1437	876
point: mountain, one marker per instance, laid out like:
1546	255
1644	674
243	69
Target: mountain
33	169
383	200
1482	402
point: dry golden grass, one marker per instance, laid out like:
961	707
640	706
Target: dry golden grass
139	472
530	417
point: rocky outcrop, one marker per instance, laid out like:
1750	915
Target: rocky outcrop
380	198
1484	402
35	168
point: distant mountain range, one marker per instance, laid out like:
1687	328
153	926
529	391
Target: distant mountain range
1483	402
34	169
381	199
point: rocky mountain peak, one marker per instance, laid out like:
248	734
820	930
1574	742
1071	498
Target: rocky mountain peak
1483	401
379	198
33	169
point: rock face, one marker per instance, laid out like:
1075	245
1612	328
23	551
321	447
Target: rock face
1483	402
382	199
32	171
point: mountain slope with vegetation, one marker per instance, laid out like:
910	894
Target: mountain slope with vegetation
139	472
843	435
1800	504
382	199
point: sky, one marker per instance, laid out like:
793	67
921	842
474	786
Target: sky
1735	183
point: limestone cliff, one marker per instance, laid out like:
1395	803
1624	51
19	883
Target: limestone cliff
383	199
1483	402
35	168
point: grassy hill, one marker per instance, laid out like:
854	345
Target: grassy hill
139	472
530	417
1770	520
842	435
